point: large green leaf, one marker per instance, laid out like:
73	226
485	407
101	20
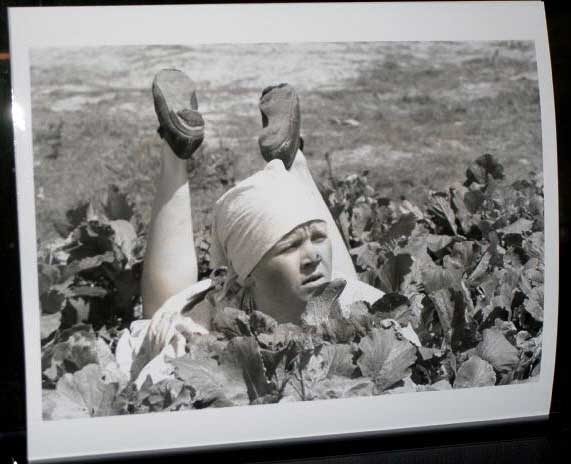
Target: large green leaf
464	217
282	335
327	319
231	322
402	228
534	245
437	243
521	226
475	372
385	357
435	278
366	255
343	387
262	323
49	324
480	272
79	349
117	205
393	306
392	274
84	394
48	275
204	376
320	305
444	306
89	263
338	360
361	218
455	317
534	303
500	353
245	353
442	213
125	237
483	169
171	394
95	238
312	375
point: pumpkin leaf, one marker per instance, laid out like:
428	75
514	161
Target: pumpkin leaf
393	306
495	349
402	228
319	307
521	226
125	237
534	303
204	376
246	355
49	324
262	323
475	372
338	360
385	358
437	243
366	255
392	274
343	387
75	352
465	219
84	393
231	322
483	169
442	213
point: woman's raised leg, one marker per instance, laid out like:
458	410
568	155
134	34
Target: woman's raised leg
342	263
280	139
170	258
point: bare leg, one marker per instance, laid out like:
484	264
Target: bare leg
342	263
170	258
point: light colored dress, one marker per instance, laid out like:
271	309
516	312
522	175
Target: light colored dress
143	349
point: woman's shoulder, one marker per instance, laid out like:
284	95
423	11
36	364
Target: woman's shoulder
355	290
187	295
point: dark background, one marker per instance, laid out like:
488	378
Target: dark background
537	442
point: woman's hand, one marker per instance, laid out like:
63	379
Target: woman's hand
169	326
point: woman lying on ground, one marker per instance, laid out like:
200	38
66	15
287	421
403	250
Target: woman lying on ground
272	231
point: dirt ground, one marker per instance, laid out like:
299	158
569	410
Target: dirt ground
412	114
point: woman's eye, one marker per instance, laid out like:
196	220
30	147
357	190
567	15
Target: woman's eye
318	237
290	246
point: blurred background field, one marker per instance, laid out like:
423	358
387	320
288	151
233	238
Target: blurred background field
412	114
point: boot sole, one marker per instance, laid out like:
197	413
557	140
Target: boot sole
286	148
172	92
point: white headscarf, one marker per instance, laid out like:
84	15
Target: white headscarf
255	214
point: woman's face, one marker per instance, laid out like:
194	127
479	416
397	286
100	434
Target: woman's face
292	270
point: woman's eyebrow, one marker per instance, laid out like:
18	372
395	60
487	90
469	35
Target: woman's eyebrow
292	236
318	227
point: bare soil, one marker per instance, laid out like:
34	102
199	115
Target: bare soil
412	114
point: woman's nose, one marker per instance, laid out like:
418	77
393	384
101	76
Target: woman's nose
310	254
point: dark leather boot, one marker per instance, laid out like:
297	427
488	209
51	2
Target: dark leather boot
180	123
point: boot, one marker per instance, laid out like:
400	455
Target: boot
181	126
280	138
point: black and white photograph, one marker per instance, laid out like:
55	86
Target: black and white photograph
369	224
222	225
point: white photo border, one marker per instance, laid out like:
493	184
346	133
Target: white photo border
251	23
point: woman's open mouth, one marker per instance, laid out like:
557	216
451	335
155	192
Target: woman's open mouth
313	278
